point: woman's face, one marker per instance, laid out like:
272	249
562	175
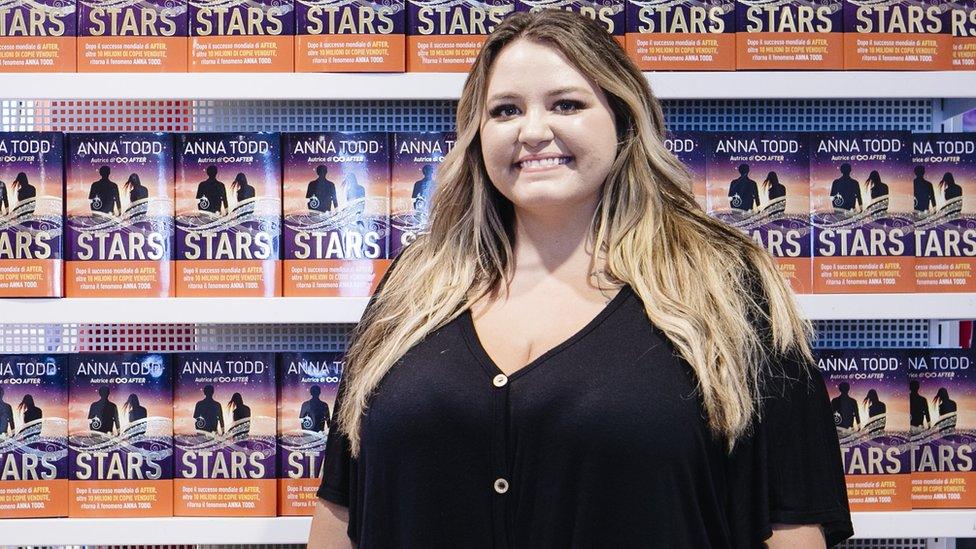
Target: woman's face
547	133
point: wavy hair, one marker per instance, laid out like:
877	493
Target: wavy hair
708	287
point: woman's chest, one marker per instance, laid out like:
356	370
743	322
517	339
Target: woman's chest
612	393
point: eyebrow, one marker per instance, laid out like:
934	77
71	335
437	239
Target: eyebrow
553	93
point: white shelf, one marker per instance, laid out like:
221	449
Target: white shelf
156	531
332	310
288	530
916	524
888	306
666	85
204	310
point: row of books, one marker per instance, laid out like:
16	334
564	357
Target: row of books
427	36
221	215
867	212
150	434
322	214
906	420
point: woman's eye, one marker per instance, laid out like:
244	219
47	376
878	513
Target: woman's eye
567	105
503	111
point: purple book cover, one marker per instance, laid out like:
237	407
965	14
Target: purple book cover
689	148
862	211
224	416
609	13
416	158
31	180
228	196
241	18
132	18
336	196
944	180
942	397
456	17
33	417
119	192
683	17
120	416
38	18
337	17
307	387
759	184
868	391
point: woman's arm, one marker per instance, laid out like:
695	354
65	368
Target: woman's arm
796	536
329	527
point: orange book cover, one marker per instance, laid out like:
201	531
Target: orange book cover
224	414
863	212
33	436
228	215
31	214
119	227
241	36
683	35
897	35
339	36
789	35
307	387
868	391
447	36
943	428
132	36
120	435
38	36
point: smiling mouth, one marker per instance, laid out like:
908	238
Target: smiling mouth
543	163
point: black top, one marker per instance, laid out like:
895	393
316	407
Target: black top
602	441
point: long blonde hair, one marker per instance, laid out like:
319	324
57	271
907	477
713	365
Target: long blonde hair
705	285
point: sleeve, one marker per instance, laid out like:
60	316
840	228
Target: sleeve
788	469
803	467
340	469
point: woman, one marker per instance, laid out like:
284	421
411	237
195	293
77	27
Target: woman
25	191
944	404
875	406
575	354
239	411
136	412
137	191
950	189
29	411
245	190
876	187
774	189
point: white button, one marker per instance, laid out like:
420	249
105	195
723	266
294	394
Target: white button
501	486
500	380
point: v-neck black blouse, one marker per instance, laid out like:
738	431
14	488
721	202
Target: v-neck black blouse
600	442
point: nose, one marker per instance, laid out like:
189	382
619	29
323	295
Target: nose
535	128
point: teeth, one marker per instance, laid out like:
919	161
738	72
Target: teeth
544	163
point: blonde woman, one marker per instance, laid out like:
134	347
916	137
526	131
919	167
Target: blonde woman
575	355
